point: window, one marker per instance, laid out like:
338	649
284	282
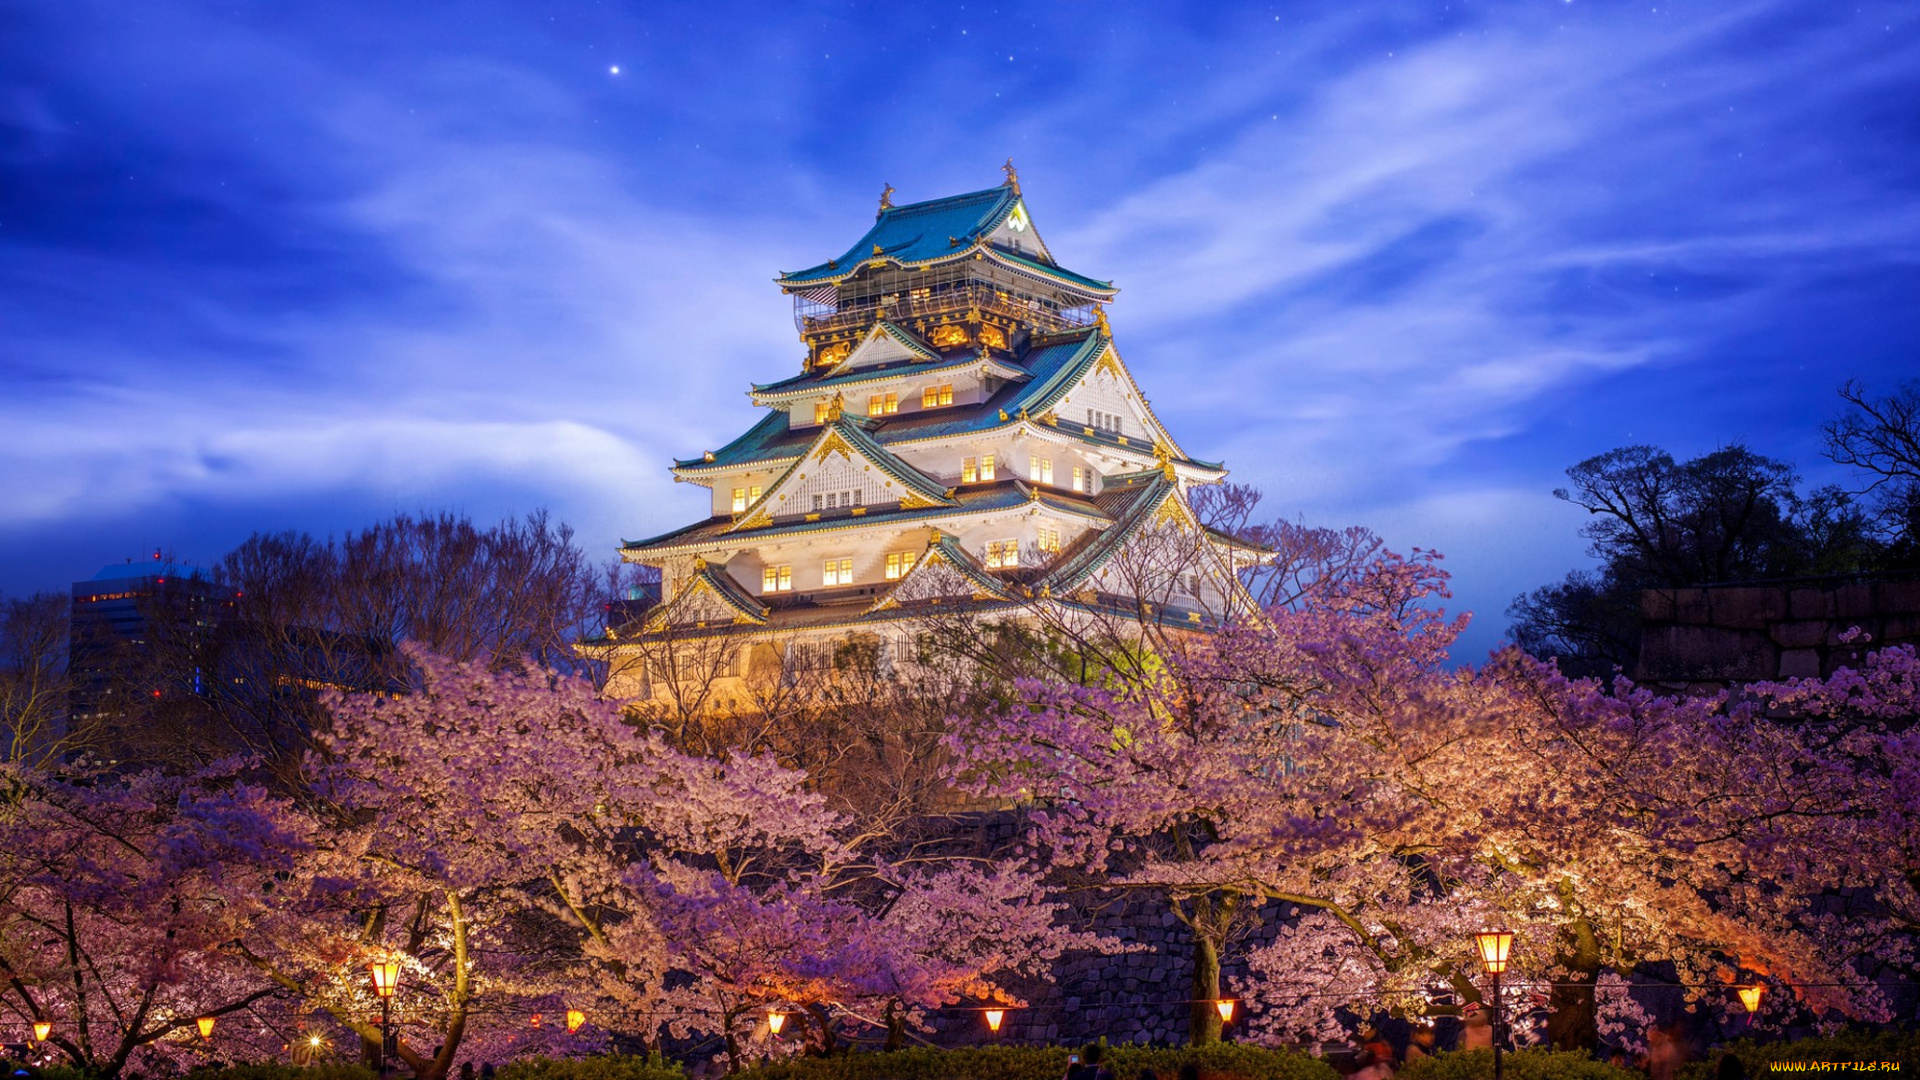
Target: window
776	579
986	467
739	499
1049	538
820	412
1002	554
969	470
753	494
898	563
1103	421
1039	469
882	404
935	396
816	502
1082	478
838	572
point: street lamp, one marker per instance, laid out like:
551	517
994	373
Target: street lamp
386	980
995	1017
1494	946
775	1021
1225	1008
1750	997
41	1029
206	1027
574	1019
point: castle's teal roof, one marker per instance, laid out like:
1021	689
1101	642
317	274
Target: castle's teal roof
923	233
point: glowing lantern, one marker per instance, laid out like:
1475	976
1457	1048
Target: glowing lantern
1750	997
775	1021
206	1027
41	1029
574	1019
313	1040
994	1018
1225	1007
535	1022
1494	946
386	976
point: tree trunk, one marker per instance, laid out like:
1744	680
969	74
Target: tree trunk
896	1029
1205	1024
824	1020
1572	1022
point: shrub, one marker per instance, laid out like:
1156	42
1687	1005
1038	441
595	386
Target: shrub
1221	1061
1530	1064
608	1067
280	1071
1851	1046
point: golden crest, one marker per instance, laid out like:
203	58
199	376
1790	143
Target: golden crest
993	337
949	335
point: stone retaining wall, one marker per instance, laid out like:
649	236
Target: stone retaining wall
1744	633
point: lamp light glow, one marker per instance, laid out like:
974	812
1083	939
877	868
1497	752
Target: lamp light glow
775	1021
206	1027
574	1019
314	1040
386	976
41	1029
1750	997
1494	946
1225	1007
995	1017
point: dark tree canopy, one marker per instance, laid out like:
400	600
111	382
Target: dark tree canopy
1728	515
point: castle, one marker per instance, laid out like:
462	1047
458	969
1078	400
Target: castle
963	435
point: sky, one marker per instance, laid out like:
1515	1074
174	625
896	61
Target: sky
294	265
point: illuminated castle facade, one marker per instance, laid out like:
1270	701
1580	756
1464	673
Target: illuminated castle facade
963	435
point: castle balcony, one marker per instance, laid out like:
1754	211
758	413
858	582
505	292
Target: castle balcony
812	316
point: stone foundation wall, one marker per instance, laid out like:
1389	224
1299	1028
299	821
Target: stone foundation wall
1744	633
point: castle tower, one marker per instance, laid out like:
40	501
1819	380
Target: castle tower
963	433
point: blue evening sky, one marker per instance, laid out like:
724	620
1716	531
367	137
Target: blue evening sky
301	265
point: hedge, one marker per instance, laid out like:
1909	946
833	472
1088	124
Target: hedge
1903	1047
1532	1063
609	1067
1219	1061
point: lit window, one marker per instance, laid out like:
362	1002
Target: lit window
753	494
739	499
969	470
919	294
934	396
946	394
1039	469
898	563
838	572
882	404
1049	538
776	579
986	467
1081	481
1002	554
819	412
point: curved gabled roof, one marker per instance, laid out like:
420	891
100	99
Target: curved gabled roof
938	231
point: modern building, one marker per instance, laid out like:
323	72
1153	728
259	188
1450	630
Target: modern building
962	433
110	643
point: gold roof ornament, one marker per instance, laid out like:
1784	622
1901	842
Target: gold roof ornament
878	250
1163	455
1100	318
886	201
833	408
708	455
1013	177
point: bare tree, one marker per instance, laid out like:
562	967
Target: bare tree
1881	436
34	680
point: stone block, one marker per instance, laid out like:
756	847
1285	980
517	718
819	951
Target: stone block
1900	629
1748	609
1812	604
1801	635
1900	596
1691	608
1656	605
1853	602
1800	664
1705	652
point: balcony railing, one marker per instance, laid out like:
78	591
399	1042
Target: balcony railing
813	317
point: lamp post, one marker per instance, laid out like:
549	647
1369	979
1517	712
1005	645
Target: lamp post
775	1021
574	1019
996	1017
1750	997
41	1029
205	1024
1493	946
386	979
